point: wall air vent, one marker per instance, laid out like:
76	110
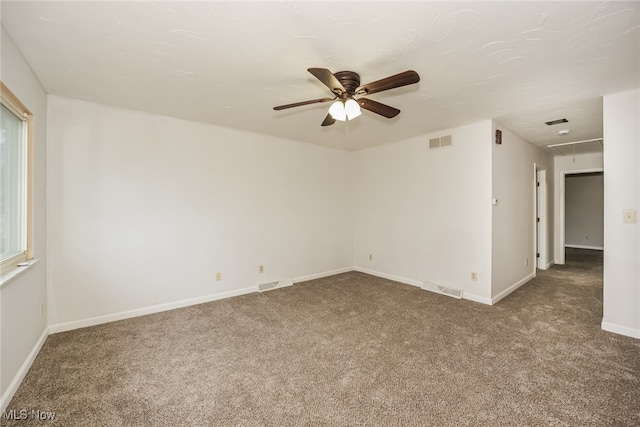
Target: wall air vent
556	122
267	286
275	285
442	290
441	142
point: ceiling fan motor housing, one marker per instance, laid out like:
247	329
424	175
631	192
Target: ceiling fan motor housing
350	81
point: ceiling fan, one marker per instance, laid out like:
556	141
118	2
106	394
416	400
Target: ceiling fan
345	86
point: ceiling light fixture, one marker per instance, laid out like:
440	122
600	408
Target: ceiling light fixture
350	109
337	111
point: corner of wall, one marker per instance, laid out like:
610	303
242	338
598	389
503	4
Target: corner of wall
621	299
513	224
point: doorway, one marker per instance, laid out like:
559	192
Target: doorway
561	217
584	211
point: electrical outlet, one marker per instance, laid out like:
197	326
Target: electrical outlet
41	308
474	275
370	257
218	276
629	216
526	262
261	268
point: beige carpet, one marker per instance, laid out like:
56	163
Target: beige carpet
350	350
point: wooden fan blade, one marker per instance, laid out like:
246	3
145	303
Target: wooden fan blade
328	121
403	79
378	108
328	79
298	104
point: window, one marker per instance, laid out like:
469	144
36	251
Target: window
16	169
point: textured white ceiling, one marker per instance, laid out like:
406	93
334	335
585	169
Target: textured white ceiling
229	63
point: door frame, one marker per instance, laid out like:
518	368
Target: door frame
560	236
540	219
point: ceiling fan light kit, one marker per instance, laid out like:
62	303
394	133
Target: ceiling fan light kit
350	109
337	111
345	86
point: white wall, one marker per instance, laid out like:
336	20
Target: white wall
425	215
621	191
145	209
563	165
584	211
21	324
513	217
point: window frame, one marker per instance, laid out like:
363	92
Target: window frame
11	102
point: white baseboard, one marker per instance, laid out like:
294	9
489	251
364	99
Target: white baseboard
465	294
595	248
22	372
512	288
476	298
92	321
323	274
389	276
622	330
547	266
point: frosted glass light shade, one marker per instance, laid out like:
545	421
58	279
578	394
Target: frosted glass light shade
352	109
337	111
